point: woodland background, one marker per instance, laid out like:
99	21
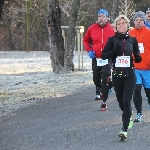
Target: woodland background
23	24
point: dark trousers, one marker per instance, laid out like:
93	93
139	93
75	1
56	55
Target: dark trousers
99	89
124	88
100	79
137	97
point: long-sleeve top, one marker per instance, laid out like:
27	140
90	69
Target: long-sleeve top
143	37
96	37
128	47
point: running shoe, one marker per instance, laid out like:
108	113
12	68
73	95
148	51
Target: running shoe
123	135
130	123
97	97
139	118
104	107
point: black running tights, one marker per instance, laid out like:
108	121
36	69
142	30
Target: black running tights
124	88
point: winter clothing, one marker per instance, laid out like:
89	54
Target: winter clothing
143	36
103	11
98	36
123	43
139	14
123	77
124	88
101	73
95	39
138	59
142	69
91	54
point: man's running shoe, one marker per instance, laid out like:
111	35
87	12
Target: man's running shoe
139	118
104	107
97	97
130	123
123	135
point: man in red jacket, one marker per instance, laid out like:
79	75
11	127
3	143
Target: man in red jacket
94	41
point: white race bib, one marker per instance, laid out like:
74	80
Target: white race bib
141	47
101	62
122	61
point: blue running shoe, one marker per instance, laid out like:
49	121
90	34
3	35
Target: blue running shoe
139	118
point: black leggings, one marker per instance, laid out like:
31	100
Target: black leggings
101	81
124	88
100	77
98	89
137	97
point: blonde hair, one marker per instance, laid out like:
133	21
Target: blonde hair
122	17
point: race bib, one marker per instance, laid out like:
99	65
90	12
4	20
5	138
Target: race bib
101	62
122	61
141	47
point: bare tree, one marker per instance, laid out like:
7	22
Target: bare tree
114	10
57	42
127	7
1	7
71	35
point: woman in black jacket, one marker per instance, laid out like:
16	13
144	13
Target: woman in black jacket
123	50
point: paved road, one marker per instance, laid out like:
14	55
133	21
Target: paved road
73	122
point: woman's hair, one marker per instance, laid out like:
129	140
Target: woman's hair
122	17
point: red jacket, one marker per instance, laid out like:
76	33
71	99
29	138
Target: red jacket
143	36
96	38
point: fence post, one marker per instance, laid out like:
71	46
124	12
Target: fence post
81	38
78	38
79	44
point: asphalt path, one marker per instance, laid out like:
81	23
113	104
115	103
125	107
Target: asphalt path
73	122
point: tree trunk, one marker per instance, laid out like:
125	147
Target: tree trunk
71	35
57	42
1	7
114	10
27	30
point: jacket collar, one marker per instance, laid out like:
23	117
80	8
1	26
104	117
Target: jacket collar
143	28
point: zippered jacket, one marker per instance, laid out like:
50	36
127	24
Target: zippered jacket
143	37
96	38
128	45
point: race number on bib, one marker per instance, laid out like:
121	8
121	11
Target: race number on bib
101	62
122	61
141	47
